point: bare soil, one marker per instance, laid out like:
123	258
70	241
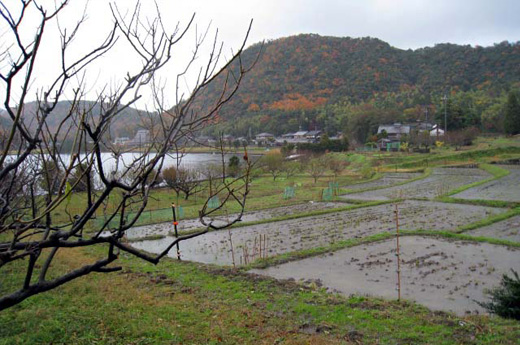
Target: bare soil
439	274
387	180
440	182
311	232
506	188
508	229
251	216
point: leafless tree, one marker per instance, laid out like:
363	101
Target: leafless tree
31	233
463	137
337	165
316	167
272	163
182	180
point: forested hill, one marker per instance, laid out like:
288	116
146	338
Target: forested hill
126	123
300	73
317	82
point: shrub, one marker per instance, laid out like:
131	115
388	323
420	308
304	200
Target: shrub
505	299
367	172
234	166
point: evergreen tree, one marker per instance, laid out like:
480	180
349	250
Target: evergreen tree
512	115
505	299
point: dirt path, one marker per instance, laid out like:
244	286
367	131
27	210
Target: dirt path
439	274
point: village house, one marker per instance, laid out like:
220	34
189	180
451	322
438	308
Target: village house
264	139
121	140
141	137
395	131
313	136
391	136
300	135
436	131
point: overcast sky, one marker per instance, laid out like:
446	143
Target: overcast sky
402	23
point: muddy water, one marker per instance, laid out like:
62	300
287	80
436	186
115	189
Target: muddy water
507	188
439	274
310	232
388	180
190	224
441	181
508	229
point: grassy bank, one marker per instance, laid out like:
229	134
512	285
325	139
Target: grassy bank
188	303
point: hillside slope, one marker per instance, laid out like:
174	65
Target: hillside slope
300	73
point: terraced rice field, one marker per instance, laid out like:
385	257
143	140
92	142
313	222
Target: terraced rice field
191	224
441	181
387	180
440	274
310	232
508	229
505	189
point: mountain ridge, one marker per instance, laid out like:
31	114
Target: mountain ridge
295	76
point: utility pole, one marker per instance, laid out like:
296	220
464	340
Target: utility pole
445	99
398	254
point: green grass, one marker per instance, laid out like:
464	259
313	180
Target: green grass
462	157
265	194
188	303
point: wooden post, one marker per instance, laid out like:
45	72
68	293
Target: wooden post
265	246
232	250
398	254
175	223
260	246
230	240
254	250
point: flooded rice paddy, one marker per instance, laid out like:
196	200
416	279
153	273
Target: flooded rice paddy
508	229
506	188
441	181
387	180
250	216
440	274
449	275
315	231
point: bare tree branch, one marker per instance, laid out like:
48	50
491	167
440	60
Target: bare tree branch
39	176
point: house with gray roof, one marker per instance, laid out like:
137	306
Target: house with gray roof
395	131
